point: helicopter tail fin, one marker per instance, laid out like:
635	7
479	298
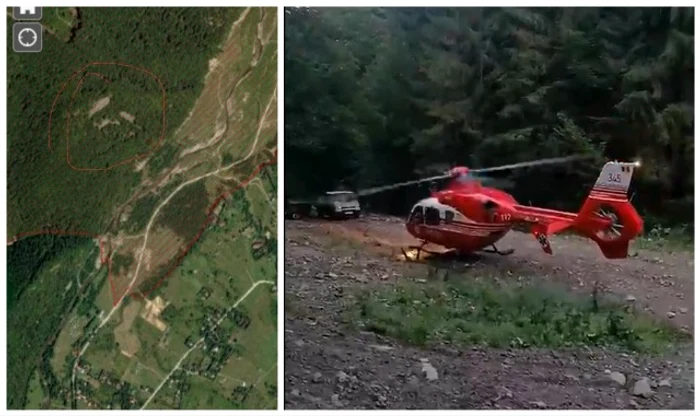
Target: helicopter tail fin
614	179
607	216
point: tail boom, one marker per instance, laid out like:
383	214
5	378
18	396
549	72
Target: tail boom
606	217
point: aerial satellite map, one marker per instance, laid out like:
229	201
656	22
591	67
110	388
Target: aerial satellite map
141	208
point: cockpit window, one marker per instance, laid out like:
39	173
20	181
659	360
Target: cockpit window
449	216
417	215
432	216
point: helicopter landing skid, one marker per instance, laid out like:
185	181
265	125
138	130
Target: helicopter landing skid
418	251
497	251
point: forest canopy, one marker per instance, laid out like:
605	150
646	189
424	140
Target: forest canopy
382	95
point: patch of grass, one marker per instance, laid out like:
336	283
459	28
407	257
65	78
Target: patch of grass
260	207
156	280
202	395
63	347
35	394
61	22
679	238
505	316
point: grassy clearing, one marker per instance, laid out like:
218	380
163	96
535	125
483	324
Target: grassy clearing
259	341
60	22
35	394
261	195
667	239
505	316
202	395
63	346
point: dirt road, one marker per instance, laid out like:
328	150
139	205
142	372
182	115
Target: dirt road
329	366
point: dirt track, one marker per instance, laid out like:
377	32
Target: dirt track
328	367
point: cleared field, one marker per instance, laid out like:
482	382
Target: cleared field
259	341
124	337
63	347
102	354
35	395
104	300
142	375
263	204
202	395
60	21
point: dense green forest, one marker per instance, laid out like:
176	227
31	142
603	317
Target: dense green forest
174	44
42	276
376	96
26	258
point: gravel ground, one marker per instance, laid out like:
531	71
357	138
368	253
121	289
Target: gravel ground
328	365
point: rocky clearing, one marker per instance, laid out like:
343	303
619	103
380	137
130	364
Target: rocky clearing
328	365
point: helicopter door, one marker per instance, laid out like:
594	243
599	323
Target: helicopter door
432	216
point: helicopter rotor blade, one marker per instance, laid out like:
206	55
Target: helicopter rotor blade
549	161
474	174
371	191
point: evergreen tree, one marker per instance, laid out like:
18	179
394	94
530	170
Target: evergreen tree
376	96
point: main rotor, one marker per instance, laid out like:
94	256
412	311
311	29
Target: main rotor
461	173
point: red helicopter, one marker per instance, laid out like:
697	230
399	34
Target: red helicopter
467	217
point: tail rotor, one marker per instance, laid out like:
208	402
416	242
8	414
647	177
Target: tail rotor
607	216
